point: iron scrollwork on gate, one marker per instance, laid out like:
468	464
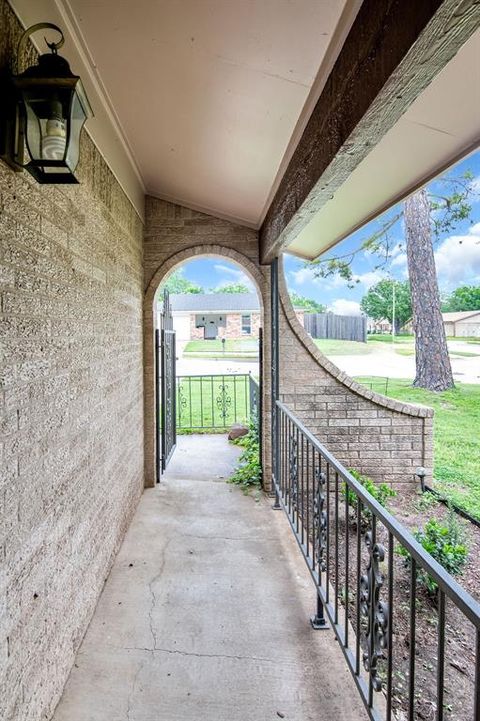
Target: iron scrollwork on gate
181	403
293	470
375	638
320	519
224	402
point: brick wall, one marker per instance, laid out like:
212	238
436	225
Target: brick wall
71	411
195	333
173	234
234	326
381	437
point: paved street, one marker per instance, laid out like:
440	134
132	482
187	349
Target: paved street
382	361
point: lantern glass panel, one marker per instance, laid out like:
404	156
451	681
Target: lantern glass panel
77	119
33	133
47	131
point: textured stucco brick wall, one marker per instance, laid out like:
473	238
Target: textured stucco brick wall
173	234
381	437
71	412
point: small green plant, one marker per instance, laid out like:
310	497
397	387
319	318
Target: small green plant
425	501
447	545
380	491
248	475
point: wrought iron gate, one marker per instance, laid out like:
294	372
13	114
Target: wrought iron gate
166	394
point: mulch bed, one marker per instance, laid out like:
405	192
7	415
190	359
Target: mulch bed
460	635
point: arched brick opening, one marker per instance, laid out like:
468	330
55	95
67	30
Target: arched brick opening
260	280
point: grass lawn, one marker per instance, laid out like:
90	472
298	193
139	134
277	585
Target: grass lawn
341	347
456	433
464	353
241	345
206	402
387	338
405	351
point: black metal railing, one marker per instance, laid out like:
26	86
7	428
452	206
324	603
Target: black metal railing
253	397
214	402
412	655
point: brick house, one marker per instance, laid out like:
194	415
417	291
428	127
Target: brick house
463	324
215	315
207	316
233	130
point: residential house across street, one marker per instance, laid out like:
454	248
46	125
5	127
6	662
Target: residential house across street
208	316
462	324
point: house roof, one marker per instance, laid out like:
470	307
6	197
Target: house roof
460	315
214	302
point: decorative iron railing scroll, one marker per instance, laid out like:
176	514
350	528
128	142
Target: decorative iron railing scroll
212	402
370	593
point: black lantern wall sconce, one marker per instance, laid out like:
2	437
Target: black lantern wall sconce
45	110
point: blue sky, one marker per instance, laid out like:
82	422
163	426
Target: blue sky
457	258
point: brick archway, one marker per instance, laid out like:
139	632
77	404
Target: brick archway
260	279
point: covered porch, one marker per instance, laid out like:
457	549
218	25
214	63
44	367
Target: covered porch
205	612
238	130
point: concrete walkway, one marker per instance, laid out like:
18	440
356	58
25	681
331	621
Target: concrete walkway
204	616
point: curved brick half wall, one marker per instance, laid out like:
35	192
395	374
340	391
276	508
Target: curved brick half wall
381	437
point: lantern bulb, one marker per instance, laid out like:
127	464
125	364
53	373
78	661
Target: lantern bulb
53	145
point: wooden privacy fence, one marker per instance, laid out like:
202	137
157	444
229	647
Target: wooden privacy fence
336	327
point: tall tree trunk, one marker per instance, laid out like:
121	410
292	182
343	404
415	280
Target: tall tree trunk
433	369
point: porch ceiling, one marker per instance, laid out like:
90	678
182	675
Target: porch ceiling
203	102
208	96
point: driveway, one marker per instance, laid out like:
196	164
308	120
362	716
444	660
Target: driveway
385	361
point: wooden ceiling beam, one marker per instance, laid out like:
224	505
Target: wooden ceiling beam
393	51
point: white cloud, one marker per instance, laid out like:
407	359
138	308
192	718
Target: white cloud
397	250
227	269
399	260
458	258
369	278
342	306
236	276
304	275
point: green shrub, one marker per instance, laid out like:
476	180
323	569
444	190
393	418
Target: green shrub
446	543
380	491
248	474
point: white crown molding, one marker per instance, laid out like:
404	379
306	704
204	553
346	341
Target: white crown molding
104	128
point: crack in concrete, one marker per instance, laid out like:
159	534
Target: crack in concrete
178	652
153	596
132	690
224	538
